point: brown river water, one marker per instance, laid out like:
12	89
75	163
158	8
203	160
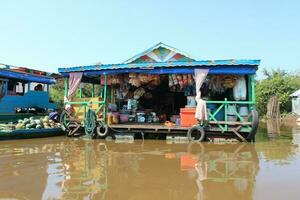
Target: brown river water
68	168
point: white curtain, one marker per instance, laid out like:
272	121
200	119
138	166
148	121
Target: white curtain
201	112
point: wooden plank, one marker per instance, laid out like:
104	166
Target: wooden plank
239	135
230	123
156	127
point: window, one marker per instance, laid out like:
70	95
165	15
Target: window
15	88
38	87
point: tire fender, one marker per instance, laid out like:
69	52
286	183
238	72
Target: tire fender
196	128
102	130
254	125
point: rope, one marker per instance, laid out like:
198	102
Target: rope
90	122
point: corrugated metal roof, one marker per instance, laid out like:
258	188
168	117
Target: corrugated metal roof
231	62
7	73
296	94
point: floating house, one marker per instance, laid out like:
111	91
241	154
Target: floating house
163	91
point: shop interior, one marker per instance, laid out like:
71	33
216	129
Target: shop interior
169	99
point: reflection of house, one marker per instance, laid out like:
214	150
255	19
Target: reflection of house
296	102
85	174
206	171
229	169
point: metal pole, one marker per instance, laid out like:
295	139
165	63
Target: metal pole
66	86
249	88
28	86
253	88
225	117
104	98
80	91
5	86
93	90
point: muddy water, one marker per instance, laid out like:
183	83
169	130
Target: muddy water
64	168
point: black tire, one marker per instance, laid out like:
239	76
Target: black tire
198	129
102	130
254	126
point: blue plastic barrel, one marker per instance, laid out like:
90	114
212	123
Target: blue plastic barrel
213	107
231	113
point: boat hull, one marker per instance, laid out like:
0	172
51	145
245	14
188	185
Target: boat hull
30	133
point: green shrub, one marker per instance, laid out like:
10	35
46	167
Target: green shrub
279	83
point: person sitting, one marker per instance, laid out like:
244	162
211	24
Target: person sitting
38	87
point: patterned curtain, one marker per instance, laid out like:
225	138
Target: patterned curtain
74	82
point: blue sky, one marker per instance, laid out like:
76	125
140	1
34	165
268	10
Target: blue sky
60	33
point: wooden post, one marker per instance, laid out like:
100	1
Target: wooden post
273	110
273	127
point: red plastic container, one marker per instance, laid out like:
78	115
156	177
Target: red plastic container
187	117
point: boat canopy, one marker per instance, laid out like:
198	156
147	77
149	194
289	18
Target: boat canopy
164	59
11	74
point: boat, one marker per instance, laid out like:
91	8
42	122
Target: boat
30	133
24	93
154	92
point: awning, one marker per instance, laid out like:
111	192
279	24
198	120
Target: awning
166	65
26	77
212	70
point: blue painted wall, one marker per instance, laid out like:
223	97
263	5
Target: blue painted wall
30	99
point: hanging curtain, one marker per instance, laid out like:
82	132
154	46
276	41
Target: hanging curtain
74	82
201	112
240	89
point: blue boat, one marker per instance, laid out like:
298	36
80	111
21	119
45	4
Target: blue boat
23	93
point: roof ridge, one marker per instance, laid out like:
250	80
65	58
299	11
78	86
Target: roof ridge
158	45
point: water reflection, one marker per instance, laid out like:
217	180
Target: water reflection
228	168
64	168
79	169
273	128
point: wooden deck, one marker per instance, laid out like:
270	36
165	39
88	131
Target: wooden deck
160	128
150	128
